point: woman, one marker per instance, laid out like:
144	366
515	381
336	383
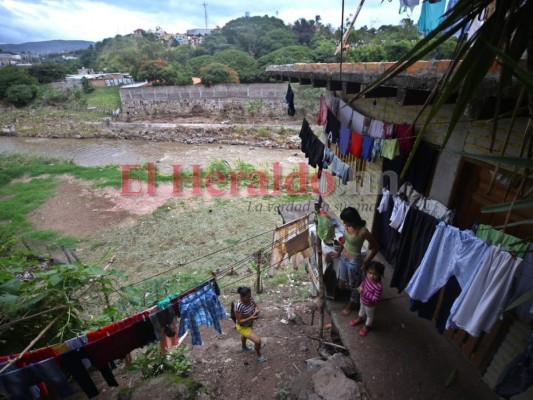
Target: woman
352	264
246	312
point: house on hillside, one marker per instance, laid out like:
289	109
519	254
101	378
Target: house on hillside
10	59
449	177
100	79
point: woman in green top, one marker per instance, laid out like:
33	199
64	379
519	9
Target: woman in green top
352	264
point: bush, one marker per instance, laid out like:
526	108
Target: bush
218	73
151	363
20	94
86	86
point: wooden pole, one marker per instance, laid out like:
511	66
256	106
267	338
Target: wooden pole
318	205
258	288
11	362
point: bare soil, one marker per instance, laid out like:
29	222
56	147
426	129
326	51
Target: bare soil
142	228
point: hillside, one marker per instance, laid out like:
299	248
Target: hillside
46	47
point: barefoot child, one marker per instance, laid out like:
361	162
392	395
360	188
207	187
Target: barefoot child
370	292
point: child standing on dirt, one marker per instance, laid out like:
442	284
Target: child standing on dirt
246	312
369	292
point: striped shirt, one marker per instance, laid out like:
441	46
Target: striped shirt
246	311
371	292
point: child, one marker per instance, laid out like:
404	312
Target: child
370	292
246	312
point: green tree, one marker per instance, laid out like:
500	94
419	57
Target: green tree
304	30
47	72
20	94
215	42
285	55
245	33
239	61
198	62
274	40
323	50
11	75
86	86
218	73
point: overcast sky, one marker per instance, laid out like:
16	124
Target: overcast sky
36	20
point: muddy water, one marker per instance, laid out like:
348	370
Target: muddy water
97	152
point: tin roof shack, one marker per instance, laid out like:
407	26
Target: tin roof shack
101	79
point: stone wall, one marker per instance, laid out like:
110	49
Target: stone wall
228	102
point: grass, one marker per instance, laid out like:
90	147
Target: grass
105	98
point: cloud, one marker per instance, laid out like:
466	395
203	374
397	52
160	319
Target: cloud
26	20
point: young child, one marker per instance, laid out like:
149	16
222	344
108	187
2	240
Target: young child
246	312
370	292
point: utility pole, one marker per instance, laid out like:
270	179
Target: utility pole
205	12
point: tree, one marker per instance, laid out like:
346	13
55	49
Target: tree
198	62
21	94
215	42
323	50
11	75
47	72
304	30
218	73
274	40
245	33
239	61
285	55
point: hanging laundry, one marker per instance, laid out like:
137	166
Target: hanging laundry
417	232
509	242
17	383
408	4
399	212
389	131
278	257
481	304
344	139
333	127
366	126
375	129
322	112
328	158
517	377
289	99
368	143
356	144
345	114
73	363
390	149
436	209
384	203
200	308
162	321
450	252
334	105
377	149
311	146
411	194
524	284
297	244
405	133
358	121
120	344
341	169
430	16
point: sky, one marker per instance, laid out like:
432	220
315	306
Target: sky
94	20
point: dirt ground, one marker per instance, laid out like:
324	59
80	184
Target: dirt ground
105	217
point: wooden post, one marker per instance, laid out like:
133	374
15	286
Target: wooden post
318	205
258	287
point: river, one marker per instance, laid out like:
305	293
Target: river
98	152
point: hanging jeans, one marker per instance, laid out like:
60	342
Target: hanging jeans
450	252
350	272
17	383
479	306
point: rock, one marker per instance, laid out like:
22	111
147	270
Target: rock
330	383
314	364
314	396
302	385
341	361
303	349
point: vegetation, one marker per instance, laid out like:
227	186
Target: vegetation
218	73
152	363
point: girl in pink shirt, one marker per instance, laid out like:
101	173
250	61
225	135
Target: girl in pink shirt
370	292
